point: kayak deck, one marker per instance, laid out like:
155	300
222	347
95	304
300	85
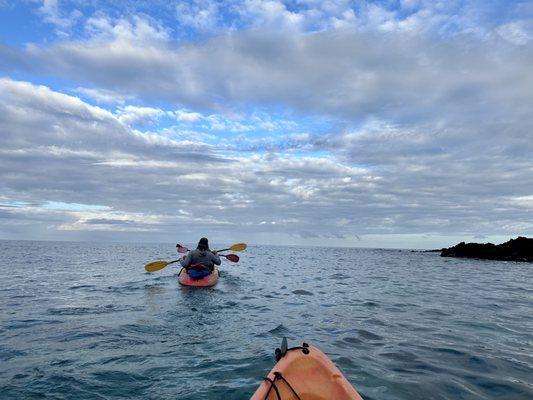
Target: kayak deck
305	373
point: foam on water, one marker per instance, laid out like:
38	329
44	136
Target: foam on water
84	321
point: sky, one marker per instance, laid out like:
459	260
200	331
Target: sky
401	124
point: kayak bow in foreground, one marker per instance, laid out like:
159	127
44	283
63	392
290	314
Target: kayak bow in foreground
304	373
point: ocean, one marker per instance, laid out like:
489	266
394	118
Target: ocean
85	321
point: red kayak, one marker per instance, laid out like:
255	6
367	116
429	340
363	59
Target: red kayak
210	280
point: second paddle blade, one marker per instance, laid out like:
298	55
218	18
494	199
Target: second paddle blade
155	266
232	257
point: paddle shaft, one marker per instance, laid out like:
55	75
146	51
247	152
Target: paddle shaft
218	251
230	257
185	249
157	265
235	247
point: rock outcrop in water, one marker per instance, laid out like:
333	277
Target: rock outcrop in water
519	249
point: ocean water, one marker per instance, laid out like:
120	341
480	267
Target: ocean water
84	321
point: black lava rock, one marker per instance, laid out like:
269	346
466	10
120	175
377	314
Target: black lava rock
519	249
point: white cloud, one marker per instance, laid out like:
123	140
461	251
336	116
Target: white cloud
202	15
517	32
133	115
386	76
522	201
134	21
108	220
103	96
43	101
53	14
186	116
133	29
271	14
427	133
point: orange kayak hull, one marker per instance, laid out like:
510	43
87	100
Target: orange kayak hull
312	376
206	281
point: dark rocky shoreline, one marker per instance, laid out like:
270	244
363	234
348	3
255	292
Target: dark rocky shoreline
519	249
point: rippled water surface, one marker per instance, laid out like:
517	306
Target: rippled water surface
84	321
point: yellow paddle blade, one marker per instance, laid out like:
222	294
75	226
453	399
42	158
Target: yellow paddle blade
156	266
238	247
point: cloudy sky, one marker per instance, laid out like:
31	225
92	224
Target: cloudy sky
404	123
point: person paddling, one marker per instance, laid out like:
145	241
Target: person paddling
201	255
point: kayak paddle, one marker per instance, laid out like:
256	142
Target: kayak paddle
182	249
157	265
235	247
231	257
